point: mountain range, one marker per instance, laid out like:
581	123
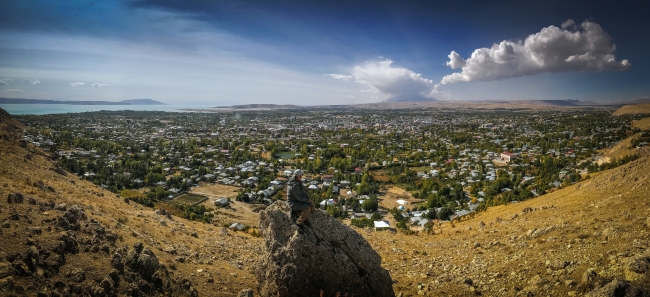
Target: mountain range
83	102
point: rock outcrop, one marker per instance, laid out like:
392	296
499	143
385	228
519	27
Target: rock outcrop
323	258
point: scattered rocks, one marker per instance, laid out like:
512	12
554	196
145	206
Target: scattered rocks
71	218
292	261
15	198
245	293
32	201
613	289
144	269
61	207
608	234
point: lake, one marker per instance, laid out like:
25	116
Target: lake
68	108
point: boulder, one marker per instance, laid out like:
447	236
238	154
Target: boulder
245	293
15	198
613	289
322	258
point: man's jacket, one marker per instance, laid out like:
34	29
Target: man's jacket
297	195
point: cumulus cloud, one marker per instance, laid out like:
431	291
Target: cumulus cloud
398	82
98	85
32	81
77	84
340	76
384	77
2	82
586	47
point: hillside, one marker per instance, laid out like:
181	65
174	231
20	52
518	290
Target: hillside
70	237
643	108
565	243
624	147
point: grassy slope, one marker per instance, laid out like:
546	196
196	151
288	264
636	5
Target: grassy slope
633	109
599	223
225	256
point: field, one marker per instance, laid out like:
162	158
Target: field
189	199
286	155
236	212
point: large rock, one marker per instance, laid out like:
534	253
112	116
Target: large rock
324	259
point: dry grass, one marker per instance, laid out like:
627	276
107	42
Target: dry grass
633	109
227	258
506	259
643	124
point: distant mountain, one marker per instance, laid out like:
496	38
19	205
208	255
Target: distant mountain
409	98
72	102
261	106
142	102
553	102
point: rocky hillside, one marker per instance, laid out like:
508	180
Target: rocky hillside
63	236
591	237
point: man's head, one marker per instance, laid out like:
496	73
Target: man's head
297	175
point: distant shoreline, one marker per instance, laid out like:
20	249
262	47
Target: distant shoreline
84	102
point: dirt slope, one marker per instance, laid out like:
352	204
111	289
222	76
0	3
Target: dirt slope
633	109
544	246
623	148
200	257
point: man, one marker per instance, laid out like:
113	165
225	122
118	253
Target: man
298	197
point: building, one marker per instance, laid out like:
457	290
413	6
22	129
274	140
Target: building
508	156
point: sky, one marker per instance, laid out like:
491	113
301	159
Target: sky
210	53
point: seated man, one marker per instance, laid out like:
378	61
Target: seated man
298	197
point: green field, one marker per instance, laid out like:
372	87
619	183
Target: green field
286	155
189	199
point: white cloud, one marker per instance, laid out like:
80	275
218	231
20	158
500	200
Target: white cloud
2	82
32	81
340	76
386	78
455	61
352	96
553	49
14	90
98	85
77	84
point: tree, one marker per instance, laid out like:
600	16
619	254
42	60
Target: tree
370	204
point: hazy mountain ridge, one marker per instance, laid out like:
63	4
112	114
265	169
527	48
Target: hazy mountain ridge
81	102
261	106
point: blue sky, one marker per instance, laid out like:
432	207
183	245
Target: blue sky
224	52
